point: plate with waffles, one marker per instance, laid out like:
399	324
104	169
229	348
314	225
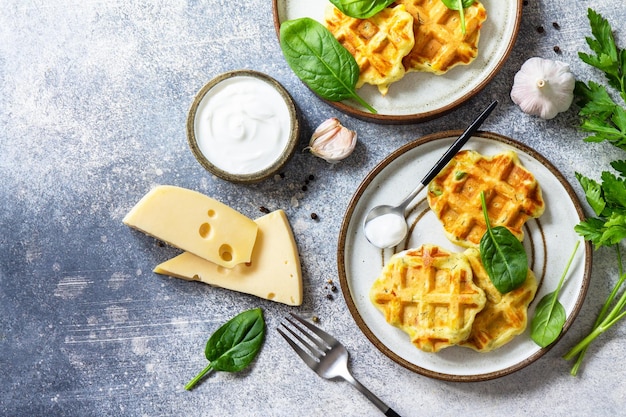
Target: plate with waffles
428	303
415	62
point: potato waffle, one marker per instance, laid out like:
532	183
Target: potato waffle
512	196
378	43
504	316
440	43
429	294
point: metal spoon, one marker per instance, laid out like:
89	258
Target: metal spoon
396	217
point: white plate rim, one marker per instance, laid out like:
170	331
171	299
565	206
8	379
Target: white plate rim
510	27
345	280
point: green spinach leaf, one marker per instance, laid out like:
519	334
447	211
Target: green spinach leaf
320	61
234	345
547	323
459	5
503	256
361	9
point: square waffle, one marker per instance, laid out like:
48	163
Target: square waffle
378	43
504	316
440	43
512	196
429	293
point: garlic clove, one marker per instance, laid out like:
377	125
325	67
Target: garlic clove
331	141
543	87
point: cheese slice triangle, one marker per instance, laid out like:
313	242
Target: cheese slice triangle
193	222
273	272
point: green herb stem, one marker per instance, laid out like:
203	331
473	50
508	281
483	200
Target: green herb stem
567	266
581	348
198	377
462	15
364	104
614	316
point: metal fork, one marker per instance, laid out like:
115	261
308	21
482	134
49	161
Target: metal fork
326	355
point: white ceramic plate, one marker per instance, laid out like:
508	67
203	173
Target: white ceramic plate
549	242
422	96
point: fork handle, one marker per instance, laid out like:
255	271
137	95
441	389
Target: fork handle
388	411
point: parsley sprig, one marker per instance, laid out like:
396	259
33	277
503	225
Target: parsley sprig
606	120
601	116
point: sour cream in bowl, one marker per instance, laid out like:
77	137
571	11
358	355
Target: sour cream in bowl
243	126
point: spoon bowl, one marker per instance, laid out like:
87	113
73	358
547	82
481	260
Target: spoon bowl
385	226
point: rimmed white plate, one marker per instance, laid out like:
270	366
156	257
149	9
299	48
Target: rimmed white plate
549	242
422	96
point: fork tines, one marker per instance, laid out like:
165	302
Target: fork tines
307	335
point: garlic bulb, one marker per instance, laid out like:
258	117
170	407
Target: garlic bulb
332	141
543	87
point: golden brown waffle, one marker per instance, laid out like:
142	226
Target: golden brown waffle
440	43
504	316
429	294
512	196
378	43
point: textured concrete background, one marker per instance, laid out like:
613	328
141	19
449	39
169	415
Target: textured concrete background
93	101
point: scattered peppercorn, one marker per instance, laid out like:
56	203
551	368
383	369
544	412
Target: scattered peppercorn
556	25
333	288
330	297
540	29
264	209
525	3
557	49
314	216
304	188
311	177
282	175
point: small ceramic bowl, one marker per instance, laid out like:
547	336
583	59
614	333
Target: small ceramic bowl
243	126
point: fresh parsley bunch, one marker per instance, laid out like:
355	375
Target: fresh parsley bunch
600	115
606	121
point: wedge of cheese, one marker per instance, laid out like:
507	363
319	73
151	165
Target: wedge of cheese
193	222
274	272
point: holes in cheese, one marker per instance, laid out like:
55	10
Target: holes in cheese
195	223
226	253
273	273
205	230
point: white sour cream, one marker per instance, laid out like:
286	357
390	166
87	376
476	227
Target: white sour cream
386	231
242	125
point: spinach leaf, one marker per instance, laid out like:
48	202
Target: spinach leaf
320	61
503	256
361	9
547	323
459	5
234	345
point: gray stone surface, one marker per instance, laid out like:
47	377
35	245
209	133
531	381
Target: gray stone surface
93	102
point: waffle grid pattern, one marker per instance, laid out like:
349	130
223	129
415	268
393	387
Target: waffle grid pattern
511	192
